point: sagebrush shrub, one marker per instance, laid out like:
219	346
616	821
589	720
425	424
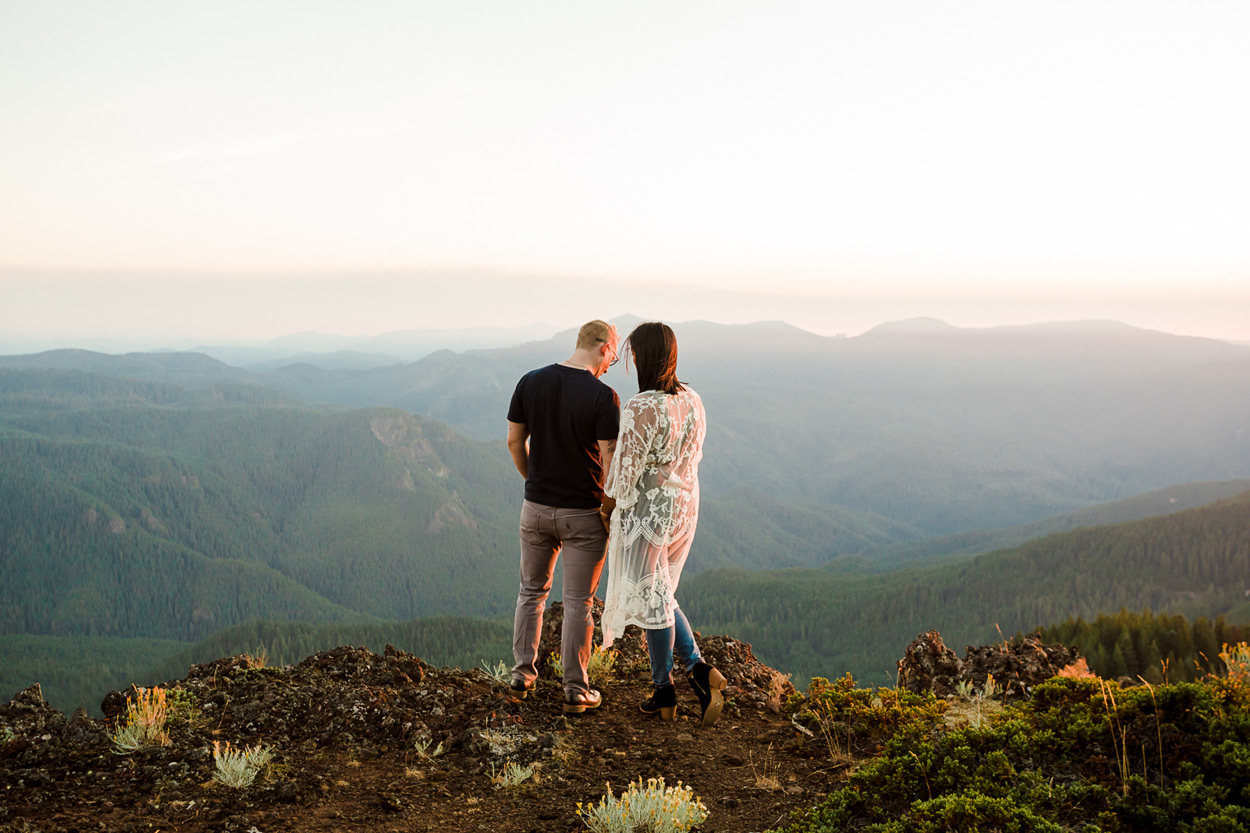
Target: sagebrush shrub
654	808
513	775
422	744
499	672
238	768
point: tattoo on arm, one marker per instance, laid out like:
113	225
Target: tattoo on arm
612	446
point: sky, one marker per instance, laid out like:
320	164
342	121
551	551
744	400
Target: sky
213	172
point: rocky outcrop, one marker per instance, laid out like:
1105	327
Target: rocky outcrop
451	514
402	434
928	665
151	521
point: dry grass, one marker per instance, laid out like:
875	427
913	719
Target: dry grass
565	752
144	726
836	735
257	659
599	669
1237	660
767	773
776	695
1078	670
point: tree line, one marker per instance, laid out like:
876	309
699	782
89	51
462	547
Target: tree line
1155	647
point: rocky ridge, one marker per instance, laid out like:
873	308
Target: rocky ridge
372	742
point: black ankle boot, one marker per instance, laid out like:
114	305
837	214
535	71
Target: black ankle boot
708	683
663	701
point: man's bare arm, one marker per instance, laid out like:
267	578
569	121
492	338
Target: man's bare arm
607	450
518	447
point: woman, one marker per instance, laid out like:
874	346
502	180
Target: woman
654	480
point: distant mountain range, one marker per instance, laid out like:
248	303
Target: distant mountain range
911	430
154	499
336	352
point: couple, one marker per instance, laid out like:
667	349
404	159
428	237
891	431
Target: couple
597	478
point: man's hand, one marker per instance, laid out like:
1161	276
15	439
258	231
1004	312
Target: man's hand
605	512
518	447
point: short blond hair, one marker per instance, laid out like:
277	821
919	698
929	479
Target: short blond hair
593	332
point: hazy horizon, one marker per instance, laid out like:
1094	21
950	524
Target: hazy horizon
479	335
177	174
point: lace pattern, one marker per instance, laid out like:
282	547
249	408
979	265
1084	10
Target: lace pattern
655	480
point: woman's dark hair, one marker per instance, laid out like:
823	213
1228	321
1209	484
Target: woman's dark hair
654	348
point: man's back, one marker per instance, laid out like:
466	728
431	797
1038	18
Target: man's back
567	412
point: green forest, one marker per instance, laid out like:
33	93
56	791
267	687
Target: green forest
1157	648
826	622
77	671
157	514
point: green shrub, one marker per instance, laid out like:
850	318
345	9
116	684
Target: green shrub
851	719
1080	755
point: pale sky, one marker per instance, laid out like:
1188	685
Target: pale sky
240	170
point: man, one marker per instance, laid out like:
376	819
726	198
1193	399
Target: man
570	420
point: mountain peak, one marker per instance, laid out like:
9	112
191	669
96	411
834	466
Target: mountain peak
913	327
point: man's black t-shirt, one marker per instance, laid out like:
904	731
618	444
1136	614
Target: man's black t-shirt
567	411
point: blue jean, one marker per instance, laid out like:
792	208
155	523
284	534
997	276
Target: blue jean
662	643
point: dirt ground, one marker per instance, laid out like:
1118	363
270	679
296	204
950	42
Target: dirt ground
354	736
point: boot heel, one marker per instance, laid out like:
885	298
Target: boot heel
668	712
716	683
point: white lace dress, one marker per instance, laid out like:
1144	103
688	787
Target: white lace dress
654	478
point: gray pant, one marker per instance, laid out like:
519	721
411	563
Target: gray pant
545	531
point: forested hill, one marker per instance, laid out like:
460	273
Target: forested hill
141	510
814	622
1176	498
